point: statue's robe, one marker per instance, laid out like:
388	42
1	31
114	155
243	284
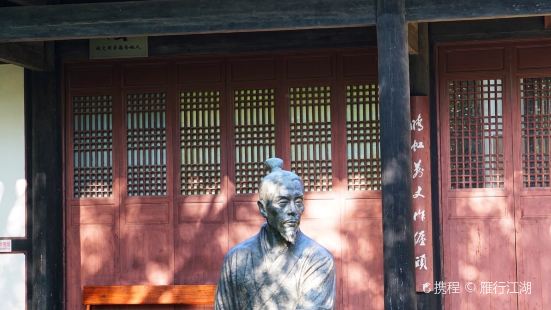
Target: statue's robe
292	276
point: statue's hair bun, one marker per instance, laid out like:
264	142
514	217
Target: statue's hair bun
274	164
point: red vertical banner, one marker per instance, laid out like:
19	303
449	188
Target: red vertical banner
421	193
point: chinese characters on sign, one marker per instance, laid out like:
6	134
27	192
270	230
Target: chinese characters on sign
123	47
421	193
5	246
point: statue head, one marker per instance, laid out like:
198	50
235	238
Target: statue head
281	200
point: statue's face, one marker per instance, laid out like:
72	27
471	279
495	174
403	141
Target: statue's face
284	211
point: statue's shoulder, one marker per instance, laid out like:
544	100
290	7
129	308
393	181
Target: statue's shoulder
246	247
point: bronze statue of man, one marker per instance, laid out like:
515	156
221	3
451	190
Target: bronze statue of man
280	267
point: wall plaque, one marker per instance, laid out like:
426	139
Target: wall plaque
123	47
421	193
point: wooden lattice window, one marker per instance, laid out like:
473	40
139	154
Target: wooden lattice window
362	137
310	118
92	146
254	123
476	133
535	99
146	144
200	142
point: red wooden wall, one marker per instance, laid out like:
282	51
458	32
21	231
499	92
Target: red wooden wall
495	120
163	161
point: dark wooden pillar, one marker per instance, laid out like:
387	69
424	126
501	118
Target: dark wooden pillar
44	173
399	273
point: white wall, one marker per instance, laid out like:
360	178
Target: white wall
12	184
12	152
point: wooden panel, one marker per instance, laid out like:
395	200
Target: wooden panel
199	252
534	270
363	285
474	60
146	254
200	72
363	209
145	75
534	57
309	67
359	65
98	256
321	208
479	251
149	294
91	77
478	207
202	212
535	207
253	70
146	213
246	211
96	214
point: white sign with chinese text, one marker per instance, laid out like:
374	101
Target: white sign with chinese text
5	246
122	47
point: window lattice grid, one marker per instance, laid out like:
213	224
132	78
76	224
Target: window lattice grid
310	112
535	100
146	144
200	142
254	123
363	137
476	134
92	146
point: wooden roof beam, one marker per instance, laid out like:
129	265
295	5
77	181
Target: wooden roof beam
29	55
437	10
29	2
171	17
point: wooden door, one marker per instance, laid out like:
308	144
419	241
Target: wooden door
494	167
531	76
165	159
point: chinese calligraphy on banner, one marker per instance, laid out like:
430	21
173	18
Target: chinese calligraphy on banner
421	193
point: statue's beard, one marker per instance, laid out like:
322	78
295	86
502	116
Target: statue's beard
289	234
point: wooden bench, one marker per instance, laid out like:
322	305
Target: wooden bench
148	295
